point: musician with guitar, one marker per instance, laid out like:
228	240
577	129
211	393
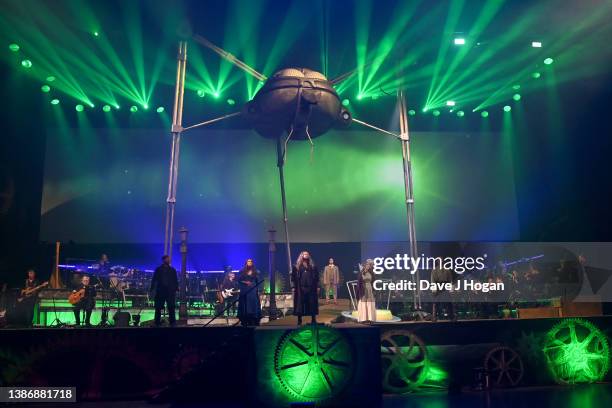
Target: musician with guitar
228	292
83	298
28	297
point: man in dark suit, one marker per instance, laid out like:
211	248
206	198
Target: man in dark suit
165	285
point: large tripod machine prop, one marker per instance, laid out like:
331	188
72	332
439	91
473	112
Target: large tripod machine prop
295	103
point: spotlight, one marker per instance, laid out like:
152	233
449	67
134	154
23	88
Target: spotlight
516	97
436	113
230	101
360	97
26	63
459	41
484	114
96	34
14	47
50	78
45	88
516	87
450	103
106	108
79	108
460	113
548	61
507	108
145	106
536	44
133	108
201	93
54	101
117	107
536	75
160	109
216	94
346	102
411	112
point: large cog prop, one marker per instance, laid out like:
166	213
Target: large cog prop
405	362
314	363
577	352
505	366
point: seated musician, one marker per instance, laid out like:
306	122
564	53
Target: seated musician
87	302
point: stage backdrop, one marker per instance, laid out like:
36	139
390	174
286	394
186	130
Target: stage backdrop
109	185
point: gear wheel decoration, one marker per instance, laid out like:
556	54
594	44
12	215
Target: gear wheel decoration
314	363
405	362
577	352
505	367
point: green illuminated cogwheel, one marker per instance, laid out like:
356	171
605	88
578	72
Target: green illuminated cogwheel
577	352
405	362
314	363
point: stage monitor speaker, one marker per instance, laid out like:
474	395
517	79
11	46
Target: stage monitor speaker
122	319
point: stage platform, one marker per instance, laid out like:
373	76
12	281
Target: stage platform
208	363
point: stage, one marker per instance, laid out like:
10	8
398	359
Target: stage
194	363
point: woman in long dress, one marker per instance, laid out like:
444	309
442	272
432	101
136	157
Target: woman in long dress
366	305
249	307
305	283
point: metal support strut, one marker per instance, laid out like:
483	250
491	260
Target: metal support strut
408	187
177	120
280	153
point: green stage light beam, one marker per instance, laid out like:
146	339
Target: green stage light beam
55	101
106	108
26	63
484	114
516	97
230	101
436	113
133	108
459	41
536	44
160	109
460	113
548	61
507	108
50	78
79	108
412	112
14	47
45	88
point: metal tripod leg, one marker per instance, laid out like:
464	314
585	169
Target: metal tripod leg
280	152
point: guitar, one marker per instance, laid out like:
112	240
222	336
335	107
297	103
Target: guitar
78	295
26	293
223	294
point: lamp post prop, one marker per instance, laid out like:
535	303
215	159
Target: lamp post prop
184	232
272	269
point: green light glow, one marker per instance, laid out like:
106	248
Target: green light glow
201	93
507	108
145	106
516	97
548	61
359	97
231	102
14	47
79	108
216	94
459	41
106	108
436	113
460	113
133	108
26	63
577	352
536	44
160	109
516	87
450	103
313	363
346	102
50	78
96	34
536	75
411	112
484	114
55	101
45	88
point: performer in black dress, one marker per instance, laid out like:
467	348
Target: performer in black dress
165	285
305	284
249	306
87	303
